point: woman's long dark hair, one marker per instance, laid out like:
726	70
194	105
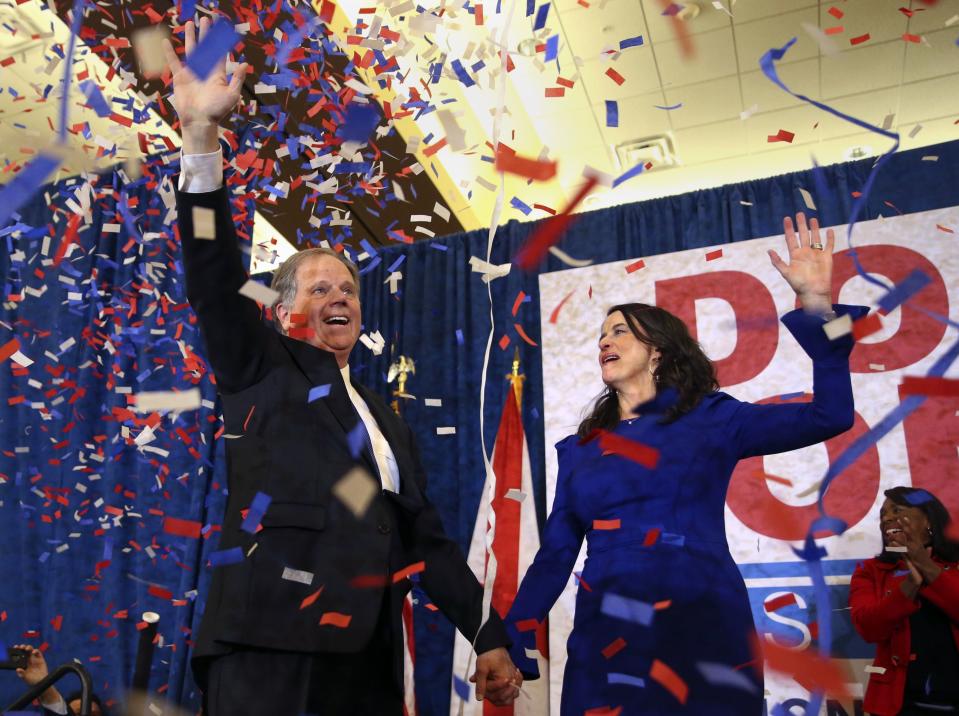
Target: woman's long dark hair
682	365
937	515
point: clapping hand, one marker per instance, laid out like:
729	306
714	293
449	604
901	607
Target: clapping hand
809	271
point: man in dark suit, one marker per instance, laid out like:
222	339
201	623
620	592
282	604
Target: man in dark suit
306	614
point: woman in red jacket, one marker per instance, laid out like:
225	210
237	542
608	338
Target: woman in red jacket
906	601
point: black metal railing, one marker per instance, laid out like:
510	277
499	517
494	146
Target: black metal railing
34	691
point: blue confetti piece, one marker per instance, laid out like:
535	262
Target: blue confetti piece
630	610
461	688
625	680
612	113
371	265
672	539
357	439
517	203
24	184
224	557
919	497
461	72
396	264
541	14
631	42
552	48
530	6
723	675
668	107
187	8
317	392
791	396
259	506
629	174
359	121
903	291
219	40
459	337
95	98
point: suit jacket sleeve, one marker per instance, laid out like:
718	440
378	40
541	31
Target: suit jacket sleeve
235	336
447	578
873	615
769	429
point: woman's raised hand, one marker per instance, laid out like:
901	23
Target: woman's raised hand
809	271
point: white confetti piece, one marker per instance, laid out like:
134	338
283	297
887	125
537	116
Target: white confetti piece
356	490
807	199
433	402
873	669
877	366
915	130
259	293
441	211
148	49
931	158
897	548
21	360
489	271
888	120
297	575
567	259
746	114
952	20
358	86
838	327
746	203
204	223
446	431
455	136
151	401
514	494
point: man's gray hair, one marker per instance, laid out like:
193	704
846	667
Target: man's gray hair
284	279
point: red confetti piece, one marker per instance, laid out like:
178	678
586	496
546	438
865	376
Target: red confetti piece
412	569
310	600
582	582
859	40
614	648
946	229
635	266
669	680
866	326
555	92
520	297
478	15
652	534
713	255
434	148
182	528
836	12
503	342
336	619
606	524
565	82
665	604
525	625
57	622
784	600
941	387
535	248
763	475
248	416
835	30
911	38
326	11
160	592
542	207
781	136
630	449
370	581
810	670
679	27
11	347
554	316
604	711
522	334
615	76
534	169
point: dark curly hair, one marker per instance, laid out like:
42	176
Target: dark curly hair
682	366
937	515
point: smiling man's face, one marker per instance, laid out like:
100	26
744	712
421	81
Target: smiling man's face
327	300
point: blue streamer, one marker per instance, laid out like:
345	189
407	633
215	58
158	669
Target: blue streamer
258	507
906	289
24	184
95	99
629	174
78	8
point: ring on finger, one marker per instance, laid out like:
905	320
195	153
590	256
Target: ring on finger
818	247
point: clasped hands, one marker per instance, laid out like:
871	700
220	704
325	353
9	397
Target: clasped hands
496	678
918	558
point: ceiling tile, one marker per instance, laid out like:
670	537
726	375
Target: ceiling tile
711	141
929	99
881	19
871	107
714	58
564	130
865	68
744	12
638	118
705	102
801	77
939	57
753	39
798	120
661	26
589	31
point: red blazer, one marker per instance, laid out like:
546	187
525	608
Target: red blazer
880	613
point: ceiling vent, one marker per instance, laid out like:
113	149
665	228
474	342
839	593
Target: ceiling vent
655	153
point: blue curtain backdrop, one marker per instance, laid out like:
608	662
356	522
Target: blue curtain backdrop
83	509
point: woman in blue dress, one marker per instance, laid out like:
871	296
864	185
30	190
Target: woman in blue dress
663	623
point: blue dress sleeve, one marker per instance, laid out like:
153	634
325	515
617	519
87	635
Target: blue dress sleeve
768	429
548	574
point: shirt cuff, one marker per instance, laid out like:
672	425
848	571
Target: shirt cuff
201	173
60	707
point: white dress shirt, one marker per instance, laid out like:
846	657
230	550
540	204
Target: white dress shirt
201	173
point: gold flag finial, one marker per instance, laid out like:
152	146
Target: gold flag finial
516	379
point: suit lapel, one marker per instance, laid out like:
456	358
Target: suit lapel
320	368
